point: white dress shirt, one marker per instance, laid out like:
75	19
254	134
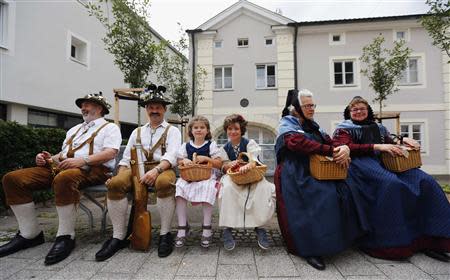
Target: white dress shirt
108	137
150	137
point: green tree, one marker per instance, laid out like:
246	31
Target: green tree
384	67
437	23
173	70
128	38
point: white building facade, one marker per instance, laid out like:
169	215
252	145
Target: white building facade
51	52
253	56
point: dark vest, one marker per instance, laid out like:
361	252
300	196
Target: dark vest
228	147
202	151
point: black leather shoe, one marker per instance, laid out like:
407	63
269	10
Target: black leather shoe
110	247
165	246
316	262
19	243
60	250
440	256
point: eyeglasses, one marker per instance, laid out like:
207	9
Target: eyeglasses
354	110
309	106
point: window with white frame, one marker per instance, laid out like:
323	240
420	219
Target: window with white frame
223	77
269	41
344	73
217	44
265	76
3	23
336	38
242	42
401	34
415	131
78	49
411	75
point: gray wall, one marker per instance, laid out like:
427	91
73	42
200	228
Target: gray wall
244	61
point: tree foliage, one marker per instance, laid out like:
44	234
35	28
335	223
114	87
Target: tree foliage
173	72
384	67
128	37
437	23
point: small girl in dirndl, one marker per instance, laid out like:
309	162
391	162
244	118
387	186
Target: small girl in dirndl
201	192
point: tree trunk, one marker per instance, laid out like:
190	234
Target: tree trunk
380	112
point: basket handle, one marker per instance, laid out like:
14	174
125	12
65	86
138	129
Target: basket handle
194	157
248	155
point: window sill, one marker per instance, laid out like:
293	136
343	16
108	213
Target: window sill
222	89
242	47
3	47
266	88
344	86
79	61
410	84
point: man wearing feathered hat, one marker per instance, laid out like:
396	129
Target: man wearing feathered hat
160	142
87	158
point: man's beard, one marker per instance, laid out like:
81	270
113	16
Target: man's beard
90	116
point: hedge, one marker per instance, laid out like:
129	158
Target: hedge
20	144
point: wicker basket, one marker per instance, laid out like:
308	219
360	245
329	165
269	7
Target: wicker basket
254	175
195	172
324	168
411	160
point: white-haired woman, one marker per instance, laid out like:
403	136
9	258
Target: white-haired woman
316	218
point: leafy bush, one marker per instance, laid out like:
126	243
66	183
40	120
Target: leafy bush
20	144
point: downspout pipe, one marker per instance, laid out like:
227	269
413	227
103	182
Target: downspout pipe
192	33
295	25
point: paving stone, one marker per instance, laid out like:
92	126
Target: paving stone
403	271
236	271
111	276
367	277
274	262
240	255
199	262
125	262
75	255
33	274
429	265
176	256
352	263
441	276
78	270
193	278
157	271
282	278
10	266
34	253
308	272
382	261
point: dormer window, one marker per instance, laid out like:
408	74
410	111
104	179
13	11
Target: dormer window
269	41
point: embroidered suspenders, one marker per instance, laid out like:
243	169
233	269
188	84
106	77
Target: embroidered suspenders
150	163
90	141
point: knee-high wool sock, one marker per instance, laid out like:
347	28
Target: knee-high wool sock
117	210
67	216
27	220
166	208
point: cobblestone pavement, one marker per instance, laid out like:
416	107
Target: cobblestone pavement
246	261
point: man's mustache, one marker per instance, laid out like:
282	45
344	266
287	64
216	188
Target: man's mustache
155	114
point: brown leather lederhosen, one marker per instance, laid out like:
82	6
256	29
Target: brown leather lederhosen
150	163
20	184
